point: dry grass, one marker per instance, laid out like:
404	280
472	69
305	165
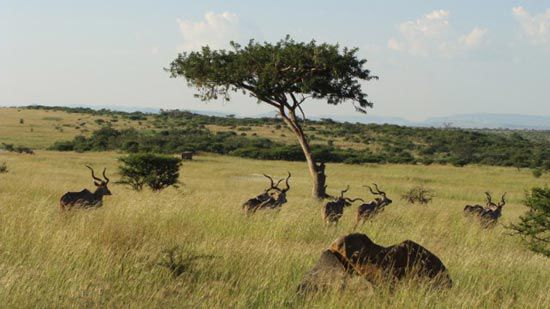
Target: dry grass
110	257
41	128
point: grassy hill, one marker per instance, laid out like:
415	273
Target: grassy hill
83	129
43	127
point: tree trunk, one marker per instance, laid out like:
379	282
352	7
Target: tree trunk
316	170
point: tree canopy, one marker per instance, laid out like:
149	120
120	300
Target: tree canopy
281	74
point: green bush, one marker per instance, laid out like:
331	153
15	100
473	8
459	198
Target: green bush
534	226
537	172
156	171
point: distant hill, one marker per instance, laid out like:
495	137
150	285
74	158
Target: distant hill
492	121
466	121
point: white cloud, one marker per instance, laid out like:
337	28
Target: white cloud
216	30
473	39
535	27
395	45
432	34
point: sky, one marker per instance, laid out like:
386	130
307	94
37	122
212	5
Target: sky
434	58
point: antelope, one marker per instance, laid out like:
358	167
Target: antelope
333	210
85	198
272	197
478	209
368	210
490	215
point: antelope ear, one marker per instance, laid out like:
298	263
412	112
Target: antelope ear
97	184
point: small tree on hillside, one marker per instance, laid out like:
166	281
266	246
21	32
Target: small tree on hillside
283	75
156	171
534	226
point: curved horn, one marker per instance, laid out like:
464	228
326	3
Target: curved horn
270	179
370	189
489	200
286	182
344	191
354	200
93	175
104	176
379	192
502	201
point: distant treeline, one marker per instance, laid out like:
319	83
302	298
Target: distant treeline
175	131
201	140
454	147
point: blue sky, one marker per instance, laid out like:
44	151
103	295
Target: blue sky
434	58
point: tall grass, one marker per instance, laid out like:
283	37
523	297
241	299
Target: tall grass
113	256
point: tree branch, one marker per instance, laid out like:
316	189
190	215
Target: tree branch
297	103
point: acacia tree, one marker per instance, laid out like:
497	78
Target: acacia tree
283	75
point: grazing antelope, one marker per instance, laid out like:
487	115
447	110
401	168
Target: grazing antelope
490	215
272	197
333	210
368	210
85	198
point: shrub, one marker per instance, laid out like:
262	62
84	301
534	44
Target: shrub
534	226
3	168
17	149
156	171
537	172
418	195
62	146
179	260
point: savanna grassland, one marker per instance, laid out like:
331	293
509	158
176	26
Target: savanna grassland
116	256
112	256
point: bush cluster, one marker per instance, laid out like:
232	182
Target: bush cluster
534	226
17	149
148	169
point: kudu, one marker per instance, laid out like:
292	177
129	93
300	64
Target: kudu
369	210
490	215
478	209
272	197
333	210
85	198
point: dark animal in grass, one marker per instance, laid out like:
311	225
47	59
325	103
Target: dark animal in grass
85	198
478	209
368	210
490	215
357	255
333	210
272	197
187	155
